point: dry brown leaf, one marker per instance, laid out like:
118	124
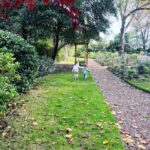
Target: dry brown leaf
34	123
99	124
137	136
125	132
81	122
90	123
68	130
128	140
141	147
5	134
86	136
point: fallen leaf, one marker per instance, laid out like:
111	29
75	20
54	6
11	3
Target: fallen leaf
86	136
5	134
81	122
33	119
143	141
99	124
118	125
69	136
125	132
90	123
105	142
141	147
113	112
34	123
68	130
135	126
137	136
128	140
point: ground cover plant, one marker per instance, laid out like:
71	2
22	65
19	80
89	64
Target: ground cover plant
60	115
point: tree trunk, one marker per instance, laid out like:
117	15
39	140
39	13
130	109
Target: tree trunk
75	52
55	51
122	38
144	43
86	53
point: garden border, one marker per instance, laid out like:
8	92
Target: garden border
131	84
144	90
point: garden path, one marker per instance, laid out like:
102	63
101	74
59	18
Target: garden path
130	106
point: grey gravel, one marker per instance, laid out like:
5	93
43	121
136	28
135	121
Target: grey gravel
131	106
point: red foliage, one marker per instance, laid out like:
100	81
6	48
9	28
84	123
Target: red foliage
67	5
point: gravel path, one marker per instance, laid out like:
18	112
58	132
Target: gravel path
130	106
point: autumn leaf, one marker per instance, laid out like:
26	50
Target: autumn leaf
141	147
113	112
34	123
90	123
128	140
33	119
69	136
5	133
105	142
137	136
81	122
125	132
99	124
85	135
68	130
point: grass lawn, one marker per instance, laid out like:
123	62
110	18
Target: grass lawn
143	85
71	60
62	114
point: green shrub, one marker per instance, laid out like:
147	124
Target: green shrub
144	68
132	74
46	66
25	54
44	47
124	72
8	75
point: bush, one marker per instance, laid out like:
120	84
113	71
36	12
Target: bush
8	74
106	58
124	72
25	54
144	68
46	66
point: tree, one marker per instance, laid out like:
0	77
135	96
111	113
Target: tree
51	21
46	21
115	44
67	5
127	10
93	20
141	24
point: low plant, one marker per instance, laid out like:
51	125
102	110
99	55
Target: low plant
25	54
46	66
8	75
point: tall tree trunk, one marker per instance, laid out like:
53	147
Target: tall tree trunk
75	52
55	51
86	53
122	38
144	43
